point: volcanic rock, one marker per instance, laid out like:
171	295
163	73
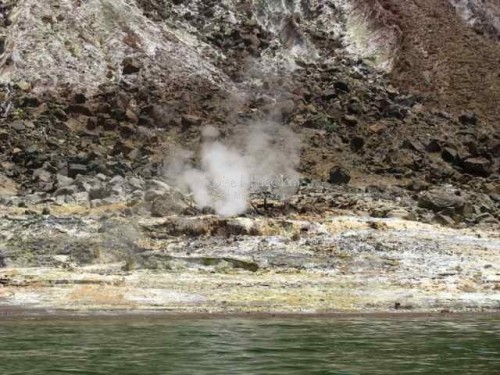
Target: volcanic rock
341	86
168	204
439	200
131	65
449	155
339	176
76	169
468	118
478	166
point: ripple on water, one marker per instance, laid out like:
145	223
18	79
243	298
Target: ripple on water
251	346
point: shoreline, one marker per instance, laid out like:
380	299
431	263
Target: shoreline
14	314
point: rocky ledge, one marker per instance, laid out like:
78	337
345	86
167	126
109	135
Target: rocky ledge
325	249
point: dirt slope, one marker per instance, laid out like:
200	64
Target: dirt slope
441	56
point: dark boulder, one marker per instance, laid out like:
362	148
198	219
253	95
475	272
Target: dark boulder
413	145
494	149
131	65
350	120
341	86
355	107
127	130
329	94
79	109
357	143
478	166
433	146
251	40
79	98
468	118
76	169
450	155
188	121
339	176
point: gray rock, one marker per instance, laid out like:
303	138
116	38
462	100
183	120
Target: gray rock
81	197
117	180
486	218
444	220
153	194
137	195
400	214
136	183
94	203
439	200
17	125
158	185
350	120
99	192
85	186
101	177
8	187
117	191
41	175
168	204
64	199
110	200
63	180
65	190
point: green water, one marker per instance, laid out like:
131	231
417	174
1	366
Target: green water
251	346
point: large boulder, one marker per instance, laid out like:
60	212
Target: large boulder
478	166
168	204
438	200
7	186
339	176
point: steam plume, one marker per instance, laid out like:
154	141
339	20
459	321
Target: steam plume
262	158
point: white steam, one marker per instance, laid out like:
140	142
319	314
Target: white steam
263	158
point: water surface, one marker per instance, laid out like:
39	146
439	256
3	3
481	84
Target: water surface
251	346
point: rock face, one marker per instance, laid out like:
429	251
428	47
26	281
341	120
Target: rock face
483	16
138	78
463	32
98	36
